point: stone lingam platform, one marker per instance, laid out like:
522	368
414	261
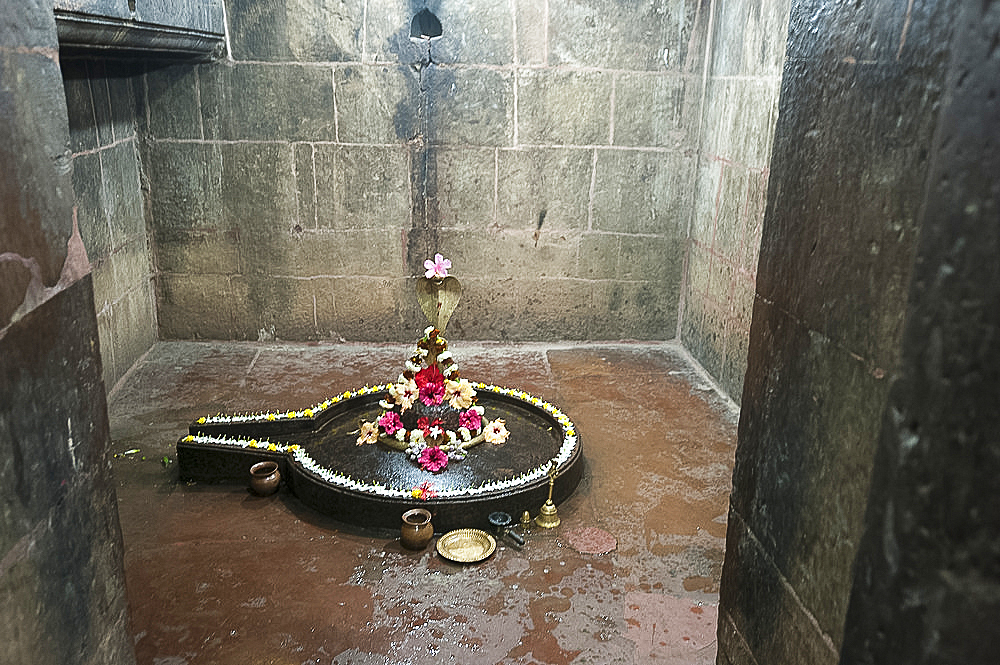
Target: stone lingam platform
372	485
460	449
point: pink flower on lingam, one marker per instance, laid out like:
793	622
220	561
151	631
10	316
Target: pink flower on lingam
390	422
470	420
438	268
433	459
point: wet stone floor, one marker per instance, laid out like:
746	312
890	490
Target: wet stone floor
218	575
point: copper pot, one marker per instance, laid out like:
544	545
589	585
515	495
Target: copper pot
264	478
417	529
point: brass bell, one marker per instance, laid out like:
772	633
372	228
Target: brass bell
548	517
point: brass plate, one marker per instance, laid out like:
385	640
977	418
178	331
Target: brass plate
466	545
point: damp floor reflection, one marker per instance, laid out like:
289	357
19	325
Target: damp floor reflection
217	574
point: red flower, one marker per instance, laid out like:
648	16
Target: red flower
433	459
428	375
423	491
430	383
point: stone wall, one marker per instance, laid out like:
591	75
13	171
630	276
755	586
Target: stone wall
742	81
101	100
61	576
548	149
854	141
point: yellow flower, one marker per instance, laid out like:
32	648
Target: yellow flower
270	416
202	420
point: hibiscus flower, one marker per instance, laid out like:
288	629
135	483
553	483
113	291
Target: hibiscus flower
433	459
390	422
459	393
438	268
432	394
430	383
368	433
404	393
471	420
495	432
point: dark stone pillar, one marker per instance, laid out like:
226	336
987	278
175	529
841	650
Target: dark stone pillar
61	573
927	577
854	146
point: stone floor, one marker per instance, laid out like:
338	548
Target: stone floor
218	575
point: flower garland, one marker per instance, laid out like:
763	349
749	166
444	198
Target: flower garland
423	491
430	413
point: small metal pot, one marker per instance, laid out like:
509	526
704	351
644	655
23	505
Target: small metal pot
417	529
265	478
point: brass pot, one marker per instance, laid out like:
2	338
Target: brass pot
264	478
417	529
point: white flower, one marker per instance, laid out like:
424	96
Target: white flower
368	433
459	393
495	432
404	393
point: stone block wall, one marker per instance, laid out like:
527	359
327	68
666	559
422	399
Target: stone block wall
854	143
742	82
548	149
101	103
61	574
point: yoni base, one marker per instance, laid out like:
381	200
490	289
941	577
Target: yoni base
372	485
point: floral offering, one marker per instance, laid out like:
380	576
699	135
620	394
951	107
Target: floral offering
430	413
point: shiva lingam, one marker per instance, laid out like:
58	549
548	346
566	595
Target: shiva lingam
462	449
